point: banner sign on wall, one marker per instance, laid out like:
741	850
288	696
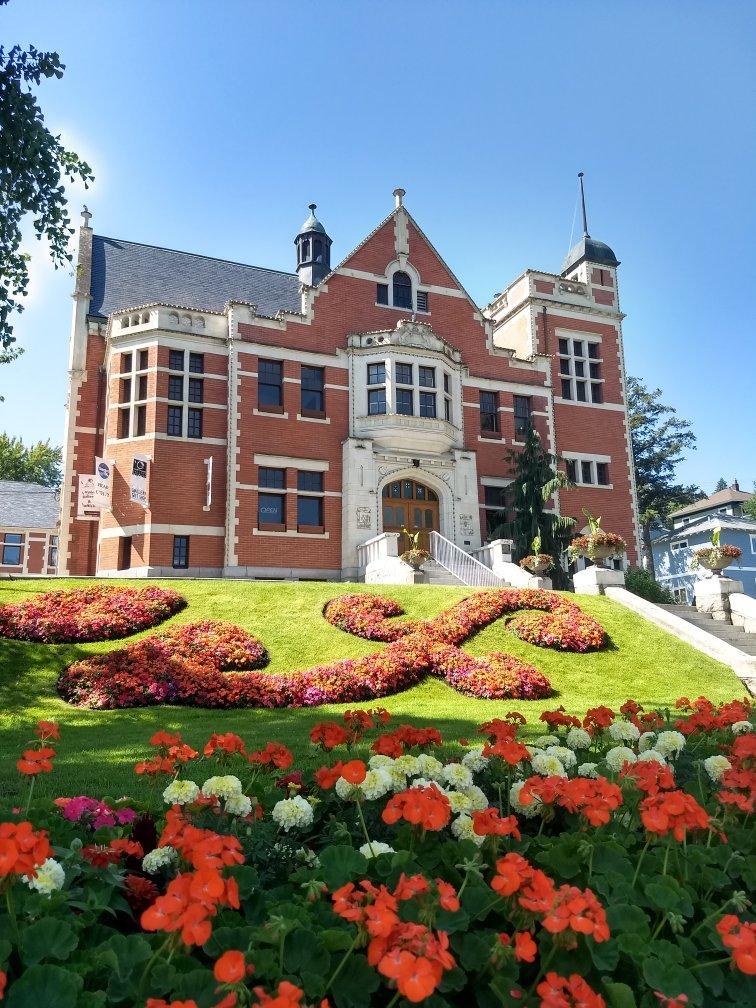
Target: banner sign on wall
103	477
86	495
138	489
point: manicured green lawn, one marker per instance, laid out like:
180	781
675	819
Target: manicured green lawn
98	748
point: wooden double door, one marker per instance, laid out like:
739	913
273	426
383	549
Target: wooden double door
410	505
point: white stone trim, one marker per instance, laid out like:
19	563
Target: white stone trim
278	416
615	407
312	419
290	462
495	385
268	352
292	534
377	278
586	457
149	529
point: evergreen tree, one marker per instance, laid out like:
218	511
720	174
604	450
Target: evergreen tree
722	484
660	439
749	506
39	463
535	478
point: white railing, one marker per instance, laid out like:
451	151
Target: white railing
459	563
384	545
494	553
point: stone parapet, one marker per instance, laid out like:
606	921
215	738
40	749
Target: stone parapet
713	596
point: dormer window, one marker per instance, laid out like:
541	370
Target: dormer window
402	290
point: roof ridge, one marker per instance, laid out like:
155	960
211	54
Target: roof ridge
197	255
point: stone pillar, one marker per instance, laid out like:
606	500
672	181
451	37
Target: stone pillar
712	596
595	580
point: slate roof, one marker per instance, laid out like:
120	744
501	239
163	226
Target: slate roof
28	505
127	274
718	499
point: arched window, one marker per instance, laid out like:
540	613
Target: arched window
402	291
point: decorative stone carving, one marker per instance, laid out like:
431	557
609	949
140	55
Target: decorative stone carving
364	518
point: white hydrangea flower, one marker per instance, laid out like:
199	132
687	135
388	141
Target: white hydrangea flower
548	766
377	782
397	775
344	789
156	859
459	801
546	740
462	829
651	754
50	877
222	787
669	743
292	812
624	731
741	727
475	760
588	770
408	764
478	798
715	766
380	761
457	775
429	766
534	751
374	848
565	756
646	741
239	805
616	757
578	738
528	811
181	792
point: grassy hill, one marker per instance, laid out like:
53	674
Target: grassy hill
98	748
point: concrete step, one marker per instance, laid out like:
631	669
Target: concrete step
438	575
726	632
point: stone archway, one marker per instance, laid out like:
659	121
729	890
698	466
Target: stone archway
409	502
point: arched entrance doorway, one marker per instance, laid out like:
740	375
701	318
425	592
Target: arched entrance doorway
410	505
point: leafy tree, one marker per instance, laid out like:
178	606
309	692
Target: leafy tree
660	440
535	478
749	506
722	484
33	164
39	463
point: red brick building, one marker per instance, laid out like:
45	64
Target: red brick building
284	419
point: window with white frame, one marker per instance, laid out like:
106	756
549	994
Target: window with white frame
680	595
580	370
588	472
495	503
679	545
753	543
186	394
13	549
416	389
132	394
402	292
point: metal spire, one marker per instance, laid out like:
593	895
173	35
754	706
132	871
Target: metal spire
582	201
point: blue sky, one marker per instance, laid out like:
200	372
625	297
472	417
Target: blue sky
211	126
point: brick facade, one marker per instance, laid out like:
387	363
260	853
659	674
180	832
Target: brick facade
129	396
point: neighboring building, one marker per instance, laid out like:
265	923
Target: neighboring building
29	520
287	418
692	527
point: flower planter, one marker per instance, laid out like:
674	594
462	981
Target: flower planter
716	564
537	565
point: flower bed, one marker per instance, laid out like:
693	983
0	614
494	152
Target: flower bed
606	864
191	664
88	614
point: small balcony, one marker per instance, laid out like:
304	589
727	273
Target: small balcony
425	435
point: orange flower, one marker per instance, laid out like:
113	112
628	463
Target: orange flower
354	771
489	822
326	777
230	968
274	753
157	765
160	1003
559	992
510	751
47	730
525	948
288	996
421	806
577	911
164	739
36	761
22	848
416	977
228	743
447	896
673	812
740	938
328	734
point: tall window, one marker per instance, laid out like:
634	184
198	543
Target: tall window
428	404
272	479
404	401
176	387
197	363
181	552
194	423
376	379
196	389
312	394
271	511
489	414
52	552
13	549
309	499
522	414
175	417
270	385
176	360
124	552
185	420
402	290
495	511
580	370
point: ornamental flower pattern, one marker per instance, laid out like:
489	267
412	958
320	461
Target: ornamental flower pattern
214	664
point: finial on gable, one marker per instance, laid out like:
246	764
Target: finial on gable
86	216
399	195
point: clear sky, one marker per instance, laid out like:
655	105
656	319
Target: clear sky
212	125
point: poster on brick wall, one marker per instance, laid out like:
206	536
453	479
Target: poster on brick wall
103	478
86	503
138	486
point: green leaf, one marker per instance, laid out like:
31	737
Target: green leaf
198	984
341	864
247	879
619	995
304	953
625	917
92	999
224	938
605	955
473	950
671	979
667	895
355	985
45	985
562	857
48	938
452	921
335	939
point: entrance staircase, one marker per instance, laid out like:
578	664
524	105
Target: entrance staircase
734	635
438	575
450	561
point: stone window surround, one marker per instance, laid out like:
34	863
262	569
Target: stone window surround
392	354
585	359
577	458
398	267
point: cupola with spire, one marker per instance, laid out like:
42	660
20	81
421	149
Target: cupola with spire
313	250
588	249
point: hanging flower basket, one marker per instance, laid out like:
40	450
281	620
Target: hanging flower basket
715	558
538	563
415	558
598	545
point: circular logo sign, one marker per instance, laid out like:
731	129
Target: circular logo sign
103	470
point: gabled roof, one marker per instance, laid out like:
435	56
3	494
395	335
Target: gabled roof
128	274
718	499
707	523
28	505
